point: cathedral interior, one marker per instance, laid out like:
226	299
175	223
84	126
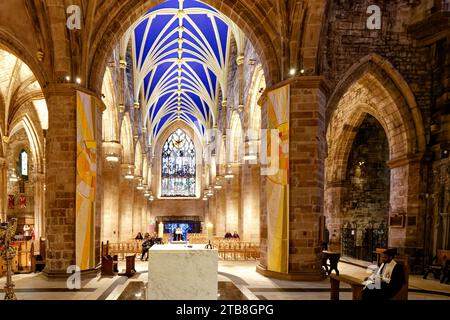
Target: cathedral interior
284	133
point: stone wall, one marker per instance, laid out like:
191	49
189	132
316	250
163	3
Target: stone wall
347	40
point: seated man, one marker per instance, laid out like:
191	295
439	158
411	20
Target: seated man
387	281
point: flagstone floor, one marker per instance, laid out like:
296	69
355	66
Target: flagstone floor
237	280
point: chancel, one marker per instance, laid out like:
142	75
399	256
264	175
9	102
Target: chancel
233	149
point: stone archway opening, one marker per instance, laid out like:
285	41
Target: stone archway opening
370	94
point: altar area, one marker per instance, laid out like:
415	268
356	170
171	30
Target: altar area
182	272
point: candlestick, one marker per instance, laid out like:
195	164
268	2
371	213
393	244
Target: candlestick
160	230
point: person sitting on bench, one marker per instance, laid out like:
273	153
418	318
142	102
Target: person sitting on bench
387	281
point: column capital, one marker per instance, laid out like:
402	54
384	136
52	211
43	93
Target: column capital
123	64
240	60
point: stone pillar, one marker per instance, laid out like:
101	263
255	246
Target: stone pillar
61	178
3	189
111	192
405	200
144	218
333	211
126	205
251	175
240	63
233	218
137	209
39	205
446	227
307	144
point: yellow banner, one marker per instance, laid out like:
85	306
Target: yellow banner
86	181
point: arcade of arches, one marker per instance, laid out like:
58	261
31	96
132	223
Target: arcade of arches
156	111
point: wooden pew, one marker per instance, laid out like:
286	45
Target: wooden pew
357	286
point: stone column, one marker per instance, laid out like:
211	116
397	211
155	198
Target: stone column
3	189
61	177
333	211
39	204
137	209
233	219
307	144
126	205
240	63
251	175
446	228
111	192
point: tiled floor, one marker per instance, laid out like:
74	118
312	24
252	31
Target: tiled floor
237	280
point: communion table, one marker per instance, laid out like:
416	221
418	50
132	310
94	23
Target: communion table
179	272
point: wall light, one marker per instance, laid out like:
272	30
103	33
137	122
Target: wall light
78	80
293	71
112	158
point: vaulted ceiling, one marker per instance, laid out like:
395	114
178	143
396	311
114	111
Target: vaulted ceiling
181	57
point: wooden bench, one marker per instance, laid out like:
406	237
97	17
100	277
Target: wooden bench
357	286
439	266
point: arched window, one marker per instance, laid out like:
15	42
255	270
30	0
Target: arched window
23	164
178	166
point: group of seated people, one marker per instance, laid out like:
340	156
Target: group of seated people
148	242
228	235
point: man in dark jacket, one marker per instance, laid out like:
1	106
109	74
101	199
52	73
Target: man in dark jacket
391	278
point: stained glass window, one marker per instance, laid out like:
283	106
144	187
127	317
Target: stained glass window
23	161
178	166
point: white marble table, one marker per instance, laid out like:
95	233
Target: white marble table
176	272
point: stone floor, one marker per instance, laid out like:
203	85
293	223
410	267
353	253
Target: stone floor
238	280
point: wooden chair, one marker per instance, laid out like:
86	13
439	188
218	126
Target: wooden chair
439	266
107	268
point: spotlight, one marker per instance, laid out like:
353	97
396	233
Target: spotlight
67	78
293	71
78	80
302	71
229	176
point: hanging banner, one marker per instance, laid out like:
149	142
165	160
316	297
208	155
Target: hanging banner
277	187
22	202
11	201
86	181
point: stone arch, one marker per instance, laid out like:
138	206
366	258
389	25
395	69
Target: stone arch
11	44
110	115
248	20
126	140
394	85
374	87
